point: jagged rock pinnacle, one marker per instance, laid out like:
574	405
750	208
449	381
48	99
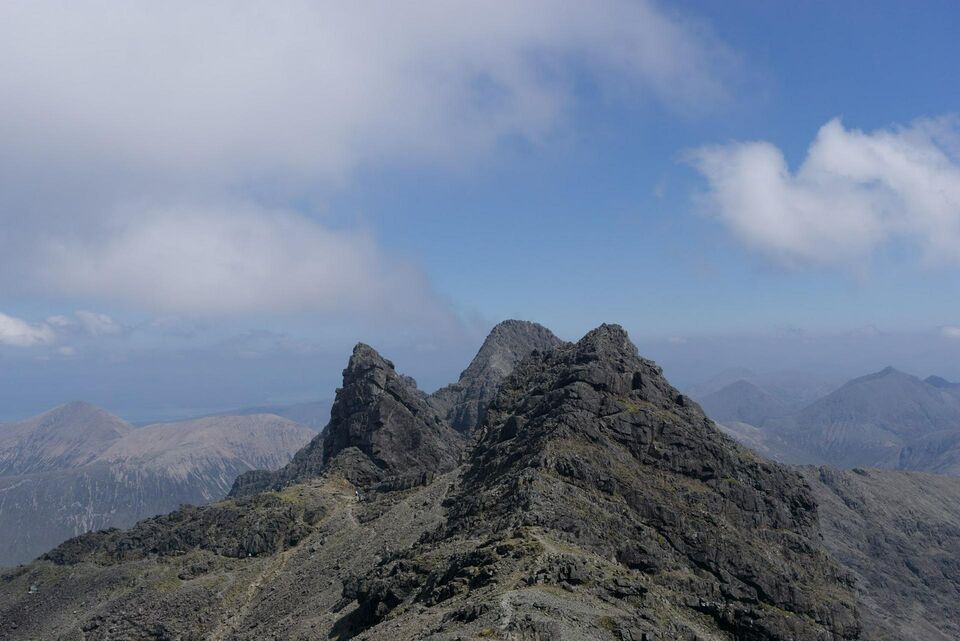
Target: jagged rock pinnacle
379	414
464	402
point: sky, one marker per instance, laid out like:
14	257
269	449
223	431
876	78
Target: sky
205	205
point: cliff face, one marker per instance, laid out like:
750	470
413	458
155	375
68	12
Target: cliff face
385	417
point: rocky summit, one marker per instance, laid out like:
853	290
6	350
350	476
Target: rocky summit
464	403
593	501
385	422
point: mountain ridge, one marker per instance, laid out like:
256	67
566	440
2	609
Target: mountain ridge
595	502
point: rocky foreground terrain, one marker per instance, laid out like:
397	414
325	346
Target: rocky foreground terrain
78	468
591	500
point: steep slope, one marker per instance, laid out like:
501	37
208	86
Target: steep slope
765	442
383	415
899	534
65	437
463	403
744	402
148	471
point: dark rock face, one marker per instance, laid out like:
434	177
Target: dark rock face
379	413
464	403
589	444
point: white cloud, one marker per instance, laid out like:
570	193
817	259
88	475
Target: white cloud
97	324
185	109
20	333
318	87
85	321
855	192
950	331
235	259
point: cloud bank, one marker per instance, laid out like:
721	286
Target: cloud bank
950	331
234	259
20	333
17	332
137	136
854	193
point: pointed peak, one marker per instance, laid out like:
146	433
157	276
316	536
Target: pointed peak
80	410
742	385
518	335
507	344
887	372
938	381
364	354
77	406
382	413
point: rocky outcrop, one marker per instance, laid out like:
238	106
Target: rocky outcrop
464	403
382	415
251	526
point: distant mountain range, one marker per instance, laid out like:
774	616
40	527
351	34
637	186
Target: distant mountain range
794	389
78	468
887	419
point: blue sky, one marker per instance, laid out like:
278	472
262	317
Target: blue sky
229	206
